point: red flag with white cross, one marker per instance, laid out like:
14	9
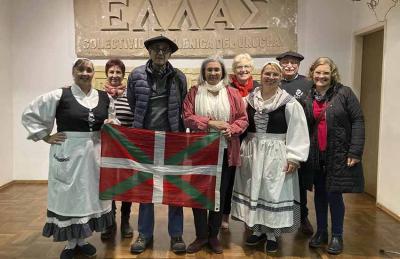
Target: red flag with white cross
174	168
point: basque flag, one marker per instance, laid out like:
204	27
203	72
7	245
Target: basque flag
174	168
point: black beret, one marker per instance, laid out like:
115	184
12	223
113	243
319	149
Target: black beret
290	54
161	38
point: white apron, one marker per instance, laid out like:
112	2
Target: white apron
263	193
74	173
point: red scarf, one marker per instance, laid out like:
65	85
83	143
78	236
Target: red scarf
322	129
114	91
244	89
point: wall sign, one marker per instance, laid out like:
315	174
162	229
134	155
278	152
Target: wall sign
111	28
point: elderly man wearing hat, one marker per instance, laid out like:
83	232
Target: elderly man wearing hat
297	86
155	94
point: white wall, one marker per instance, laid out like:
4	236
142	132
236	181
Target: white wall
43	49
43	54
6	88
388	191
324	30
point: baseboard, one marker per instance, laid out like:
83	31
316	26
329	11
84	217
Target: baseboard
6	185
31	181
22	182
391	213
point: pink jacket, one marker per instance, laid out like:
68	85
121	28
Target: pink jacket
238	120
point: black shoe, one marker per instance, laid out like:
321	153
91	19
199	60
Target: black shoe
306	227
271	246
178	245
140	244
67	253
335	247
319	239
108	233
196	245
87	249
126	229
254	240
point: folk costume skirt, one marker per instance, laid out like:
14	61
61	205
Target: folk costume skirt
264	196
74	208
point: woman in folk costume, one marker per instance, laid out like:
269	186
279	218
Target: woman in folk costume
266	194
115	71
74	210
214	106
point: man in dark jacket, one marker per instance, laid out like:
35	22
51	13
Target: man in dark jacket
155	94
297	86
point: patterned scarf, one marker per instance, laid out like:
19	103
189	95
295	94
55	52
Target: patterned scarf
114	91
320	97
244	89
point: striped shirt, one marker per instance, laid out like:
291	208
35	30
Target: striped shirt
123	111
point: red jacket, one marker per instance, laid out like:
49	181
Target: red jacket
238	120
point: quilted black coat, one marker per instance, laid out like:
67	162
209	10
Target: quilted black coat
345	123
140	82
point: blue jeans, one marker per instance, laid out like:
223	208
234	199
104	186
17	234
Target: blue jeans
322	199
146	220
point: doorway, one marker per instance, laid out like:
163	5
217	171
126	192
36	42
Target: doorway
370	98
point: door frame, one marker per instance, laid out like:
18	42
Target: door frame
356	68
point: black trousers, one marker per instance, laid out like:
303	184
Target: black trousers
226	207
303	197
125	209
207	223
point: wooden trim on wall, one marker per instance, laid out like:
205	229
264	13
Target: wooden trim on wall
31	181
391	213
22	182
6	185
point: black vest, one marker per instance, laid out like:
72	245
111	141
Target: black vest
276	121
72	116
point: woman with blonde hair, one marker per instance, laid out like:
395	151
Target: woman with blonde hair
336	125
266	190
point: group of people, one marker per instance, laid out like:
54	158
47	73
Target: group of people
281	137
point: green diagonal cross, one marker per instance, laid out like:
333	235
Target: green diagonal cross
192	149
125	185
134	150
191	191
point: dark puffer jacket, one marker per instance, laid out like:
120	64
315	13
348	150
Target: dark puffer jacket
345	123
140	82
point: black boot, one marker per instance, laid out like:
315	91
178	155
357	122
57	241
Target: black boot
336	245
108	232
126	229
319	239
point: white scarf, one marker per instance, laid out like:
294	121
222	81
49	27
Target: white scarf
278	99
215	107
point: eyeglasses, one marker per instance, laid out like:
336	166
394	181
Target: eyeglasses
243	67
287	62
163	50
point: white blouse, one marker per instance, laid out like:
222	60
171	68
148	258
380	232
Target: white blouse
39	117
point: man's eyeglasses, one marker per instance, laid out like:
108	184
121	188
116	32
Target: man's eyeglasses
163	50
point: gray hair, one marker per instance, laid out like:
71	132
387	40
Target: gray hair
202	76
239	58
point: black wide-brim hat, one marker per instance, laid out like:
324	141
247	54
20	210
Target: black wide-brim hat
290	54
161	38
